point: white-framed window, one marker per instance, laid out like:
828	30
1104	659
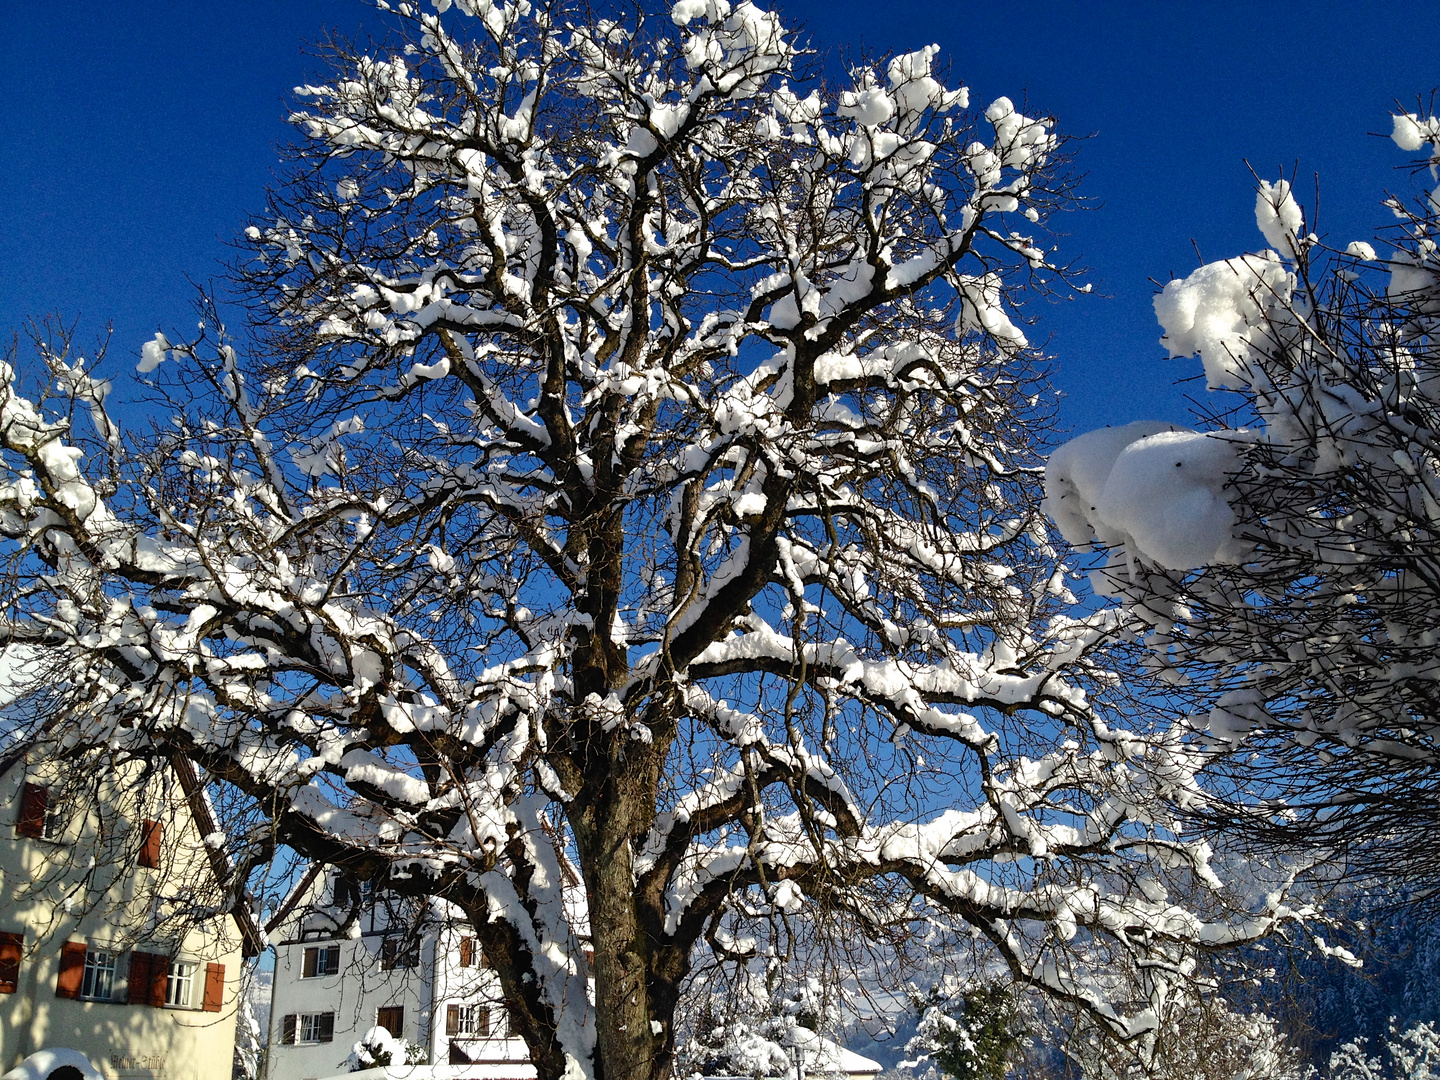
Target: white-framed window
472	1020
319	961
98	983
298	1029
317	1027
180	984
476	1021
55	821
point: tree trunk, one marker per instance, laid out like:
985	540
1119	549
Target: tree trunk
626	1045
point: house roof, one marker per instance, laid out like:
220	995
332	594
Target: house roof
252	935
822	1055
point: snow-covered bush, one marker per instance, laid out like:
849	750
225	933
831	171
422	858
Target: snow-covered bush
377	1048
1282	562
761	1024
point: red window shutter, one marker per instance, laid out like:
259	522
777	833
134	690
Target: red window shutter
288	1030
214	987
452	1020
467	951
12	947
307	967
150	833
159	977
72	970
137	983
33	801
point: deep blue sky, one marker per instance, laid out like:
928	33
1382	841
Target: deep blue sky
135	138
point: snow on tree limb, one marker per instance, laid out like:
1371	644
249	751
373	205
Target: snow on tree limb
1283	562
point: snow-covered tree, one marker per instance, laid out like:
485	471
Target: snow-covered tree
1199	1038
638	459
1285	561
760	1023
975	1033
1412	1054
249	1031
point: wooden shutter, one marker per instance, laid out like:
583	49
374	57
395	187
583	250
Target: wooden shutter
389	950
33	801
452	1020
341	891
307	967
392	1019
72	970
288	1030
214	987
137	983
12	947
327	1027
467	951
150	833
159	977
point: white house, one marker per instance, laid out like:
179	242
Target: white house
431	986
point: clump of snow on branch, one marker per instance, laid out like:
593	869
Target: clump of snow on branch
1279	565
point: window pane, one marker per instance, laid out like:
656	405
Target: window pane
179	986
99	979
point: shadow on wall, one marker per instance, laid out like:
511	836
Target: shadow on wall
59	1064
113	1033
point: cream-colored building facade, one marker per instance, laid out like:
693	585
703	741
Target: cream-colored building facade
107	945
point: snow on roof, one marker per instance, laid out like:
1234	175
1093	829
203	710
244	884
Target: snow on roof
822	1055
493	1070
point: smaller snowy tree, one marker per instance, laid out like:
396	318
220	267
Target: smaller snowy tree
1198	1038
249	1032
767	1022
1412	1054
1284	562
975	1034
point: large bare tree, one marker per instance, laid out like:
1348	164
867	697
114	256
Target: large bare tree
638	460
